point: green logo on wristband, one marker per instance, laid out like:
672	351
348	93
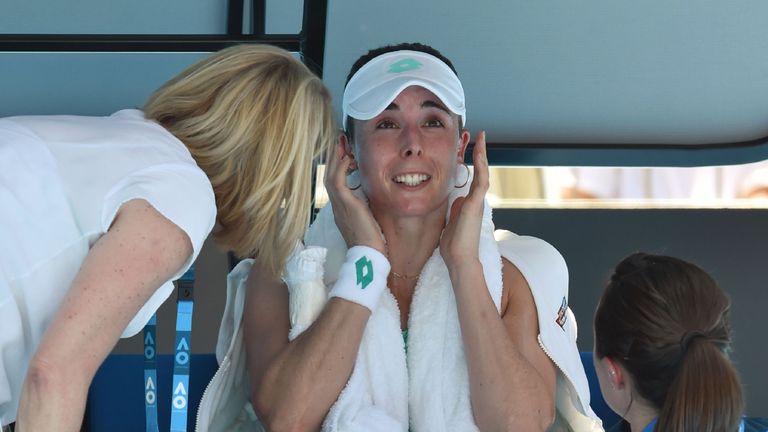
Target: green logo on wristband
364	268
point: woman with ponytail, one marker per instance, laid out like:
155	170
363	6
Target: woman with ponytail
662	338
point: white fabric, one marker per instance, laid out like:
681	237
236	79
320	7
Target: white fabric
435	358
429	390
353	284
306	292
62	181
375	85
225	406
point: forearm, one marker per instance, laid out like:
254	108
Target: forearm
505	388
122	270
77	341
306	377
55	388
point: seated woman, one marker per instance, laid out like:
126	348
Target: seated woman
662	337
432	322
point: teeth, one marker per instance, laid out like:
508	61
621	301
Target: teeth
411	179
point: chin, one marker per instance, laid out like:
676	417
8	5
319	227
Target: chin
420	208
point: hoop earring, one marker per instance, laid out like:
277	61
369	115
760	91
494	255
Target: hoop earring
352	174
464	164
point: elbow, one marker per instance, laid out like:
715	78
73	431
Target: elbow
54	378
285	422
540	419
41	377
546	416
281	417
279	424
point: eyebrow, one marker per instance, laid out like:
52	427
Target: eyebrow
426	104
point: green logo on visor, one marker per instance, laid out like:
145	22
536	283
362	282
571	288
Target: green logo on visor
404	65
364	268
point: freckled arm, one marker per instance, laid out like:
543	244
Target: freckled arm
141	250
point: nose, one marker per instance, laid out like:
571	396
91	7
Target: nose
412	144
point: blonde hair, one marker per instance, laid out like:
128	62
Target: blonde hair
254	118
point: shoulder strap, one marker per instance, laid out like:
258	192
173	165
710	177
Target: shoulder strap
181	359
150	374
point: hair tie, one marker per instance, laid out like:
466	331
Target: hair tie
687	337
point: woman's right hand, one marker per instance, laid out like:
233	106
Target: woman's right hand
352	215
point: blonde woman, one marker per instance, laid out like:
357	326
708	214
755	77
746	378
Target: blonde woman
104	212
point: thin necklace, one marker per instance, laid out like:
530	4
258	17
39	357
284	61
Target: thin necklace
403	276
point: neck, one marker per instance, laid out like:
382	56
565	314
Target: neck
411	241
640	414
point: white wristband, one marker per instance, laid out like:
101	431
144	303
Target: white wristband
362	277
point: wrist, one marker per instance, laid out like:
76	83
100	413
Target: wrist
461	268
363	277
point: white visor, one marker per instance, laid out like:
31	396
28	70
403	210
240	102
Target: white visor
378	82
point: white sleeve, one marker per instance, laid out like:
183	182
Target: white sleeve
182	194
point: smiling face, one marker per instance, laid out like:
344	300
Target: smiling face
408	154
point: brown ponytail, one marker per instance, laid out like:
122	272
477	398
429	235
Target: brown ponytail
667	322
706	393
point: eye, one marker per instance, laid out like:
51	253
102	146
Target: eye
433	123
386	124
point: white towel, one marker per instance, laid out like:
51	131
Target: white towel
431	393
378	393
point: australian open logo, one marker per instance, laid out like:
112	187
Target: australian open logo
181	380
150	390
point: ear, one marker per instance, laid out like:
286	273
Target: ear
615	373
344	140
348	149
463	143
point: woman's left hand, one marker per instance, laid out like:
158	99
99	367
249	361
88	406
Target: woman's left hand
461	237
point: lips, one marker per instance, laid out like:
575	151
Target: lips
414	179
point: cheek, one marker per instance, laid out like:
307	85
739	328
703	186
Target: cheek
454	171
366	160
371	171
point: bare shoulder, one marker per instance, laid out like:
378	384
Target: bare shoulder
265	313
141	232
532	263
521	321
516	296
138	213
266	297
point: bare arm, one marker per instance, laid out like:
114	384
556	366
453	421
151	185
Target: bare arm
295	384
141	250
512	381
